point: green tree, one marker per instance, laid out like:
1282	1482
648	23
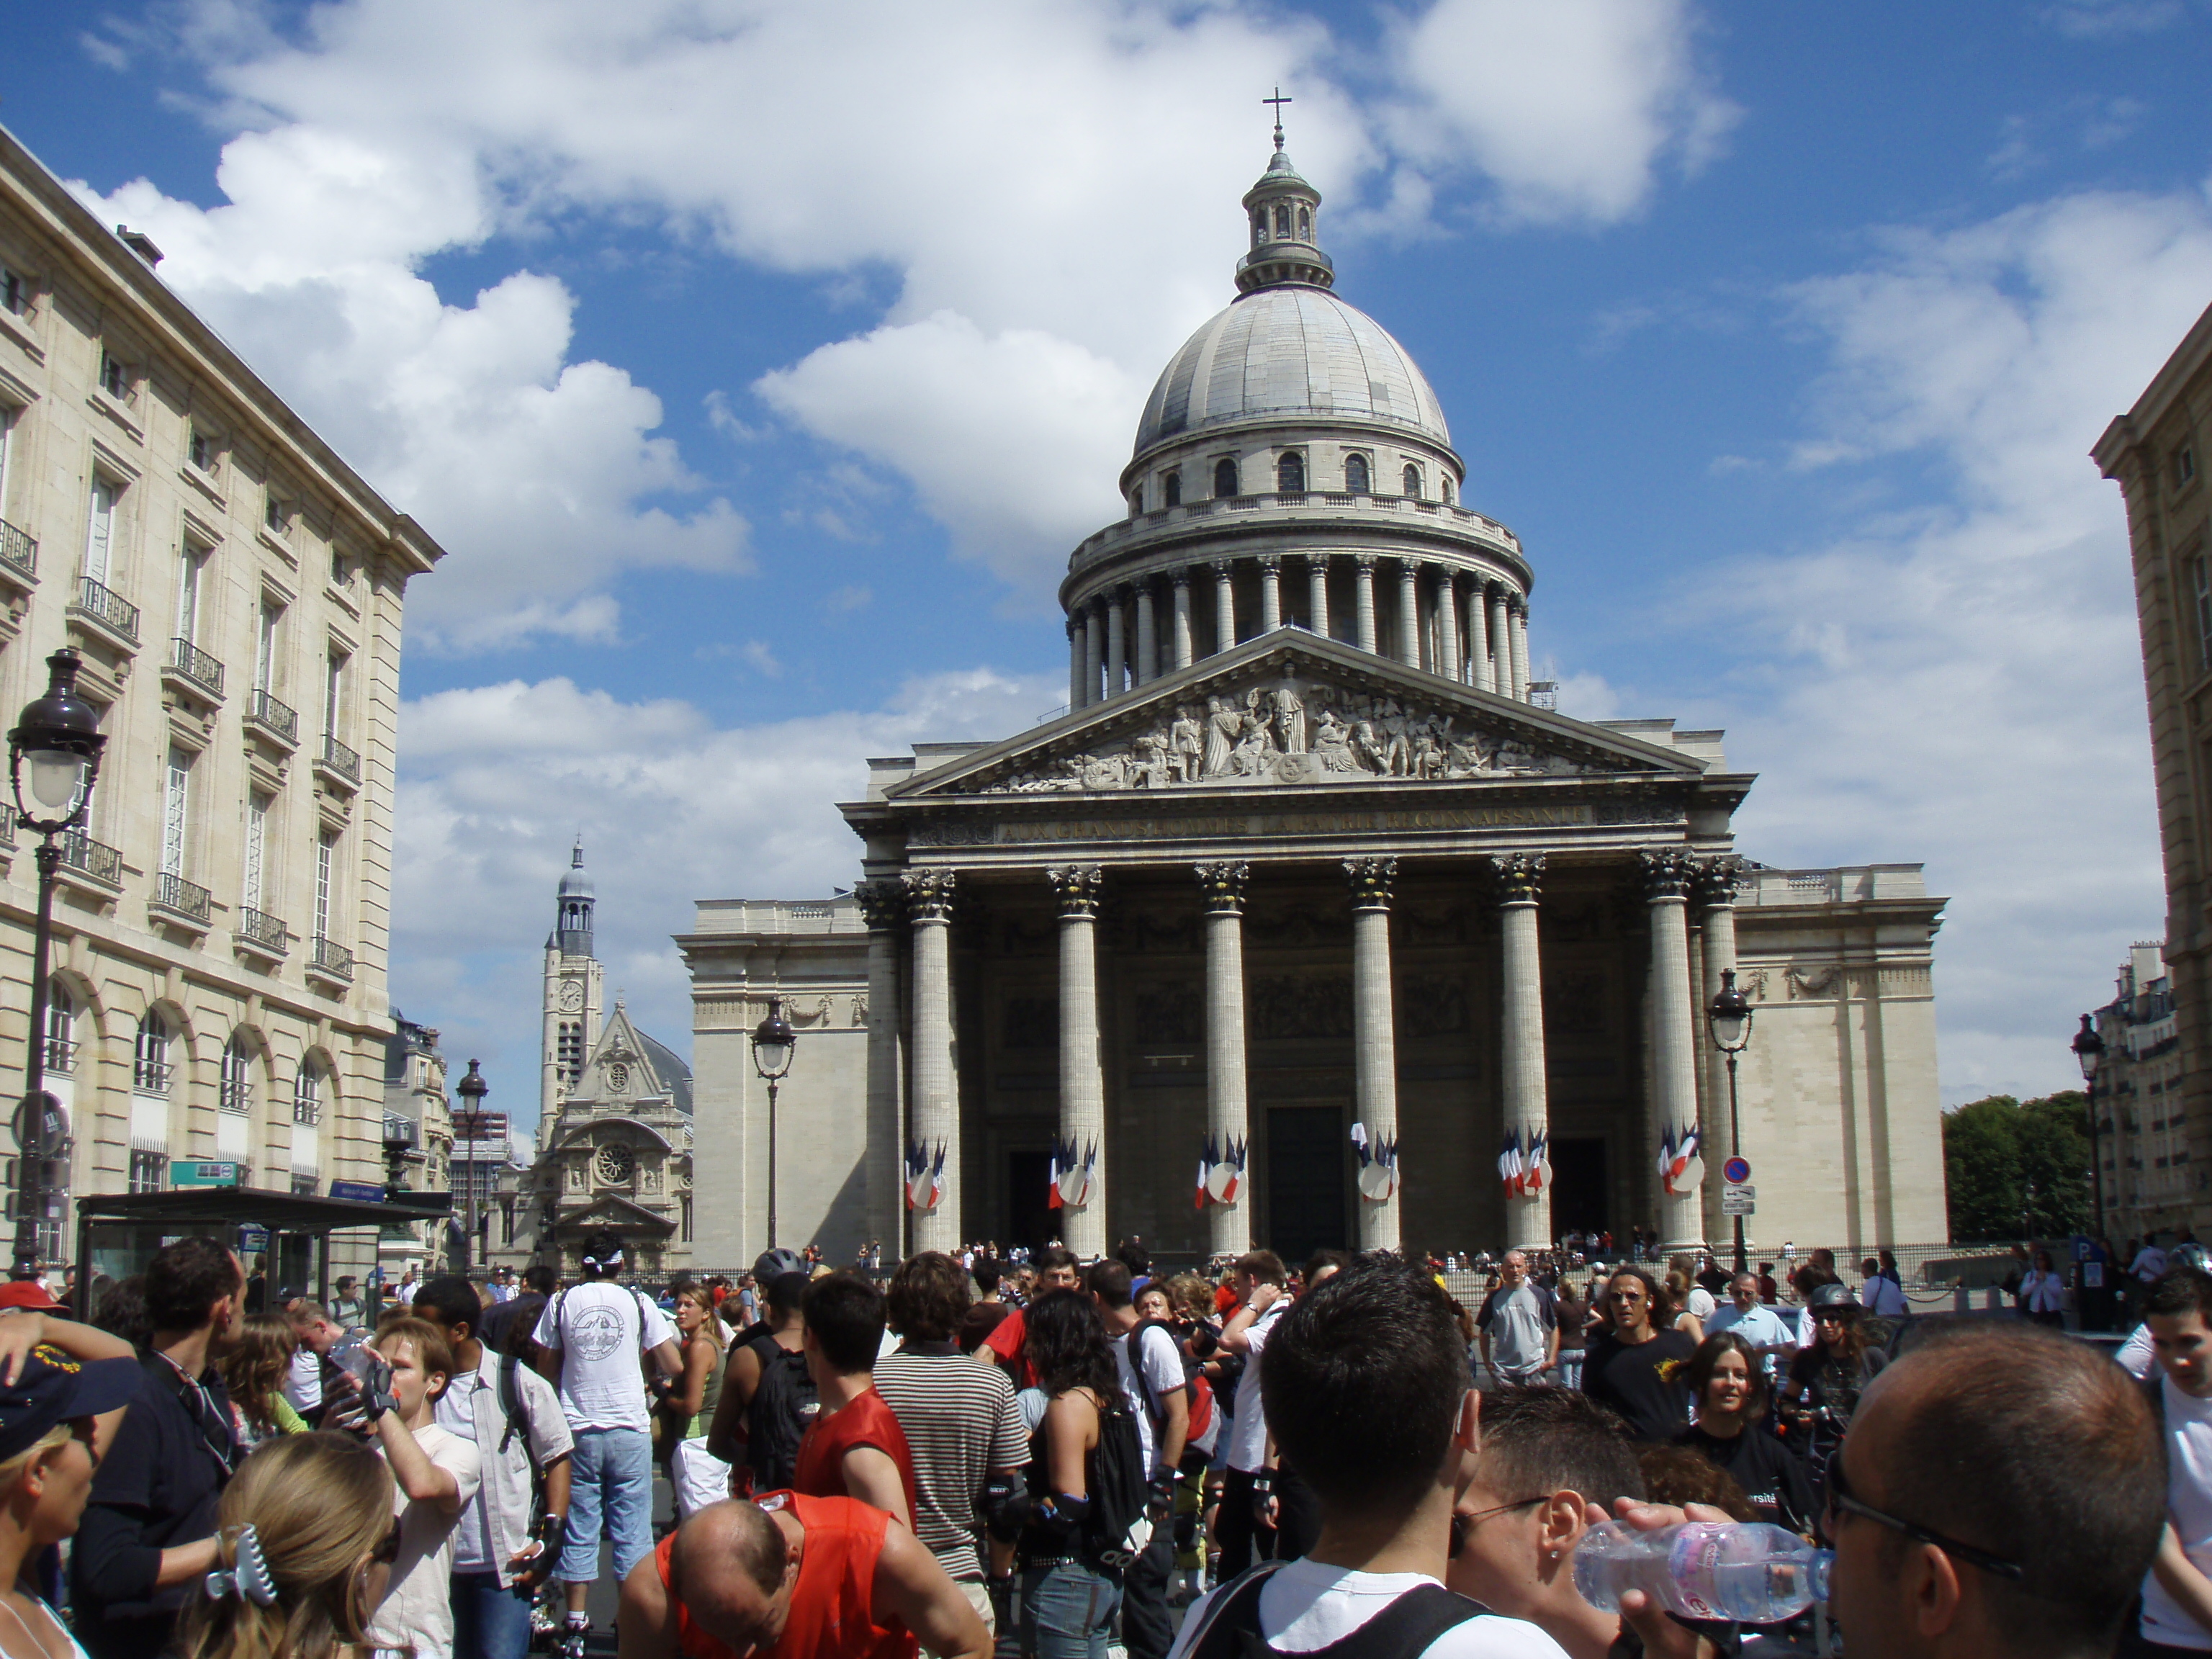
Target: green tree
2007	1161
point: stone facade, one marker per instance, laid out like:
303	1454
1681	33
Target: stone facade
2156	453
1309	896
2149	1171
236	591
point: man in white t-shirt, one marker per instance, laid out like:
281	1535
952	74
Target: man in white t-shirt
1260	1283
2176	1596
1156	1386
1375	1344
591	1339
436	1474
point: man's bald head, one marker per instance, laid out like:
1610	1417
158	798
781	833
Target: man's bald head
730	1569
2030	1446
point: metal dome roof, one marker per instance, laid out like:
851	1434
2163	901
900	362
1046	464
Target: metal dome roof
1291	350
577	884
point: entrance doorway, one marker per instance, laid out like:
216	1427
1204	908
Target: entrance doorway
1305	1181
1030	1220
1578	1190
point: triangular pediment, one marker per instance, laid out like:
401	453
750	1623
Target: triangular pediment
611	1211
1292	709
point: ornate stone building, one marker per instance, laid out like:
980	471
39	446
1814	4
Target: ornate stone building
1308	892
2150	1184
235	591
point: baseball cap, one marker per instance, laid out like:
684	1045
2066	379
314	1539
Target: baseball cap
57	1387
29	1293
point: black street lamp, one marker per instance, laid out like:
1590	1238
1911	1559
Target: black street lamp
58	735
773	1042
473	1089
1729	1021
2089	1050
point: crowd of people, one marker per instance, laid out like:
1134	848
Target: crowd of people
975	1455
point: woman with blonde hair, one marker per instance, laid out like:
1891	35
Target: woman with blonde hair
253	1374
303	1546
699	1477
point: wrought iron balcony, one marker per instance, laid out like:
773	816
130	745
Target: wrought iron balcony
236	1094
279	719
258	927
306	1109
341	760
195	666
60	1055
185	898
151	1076
108	608
325	957
102	862
18	551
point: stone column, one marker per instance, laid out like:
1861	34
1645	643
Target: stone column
1224	607
1714	894
1374	1033
1094	651
1520	1032
935	1116
1521	649
1317	593
1479	673
1448	624
1082	1084
1363	599
1409	613
883	906
1501	646
1666	877
1074	663
1229	1226
1271	593
1148	634
1117	641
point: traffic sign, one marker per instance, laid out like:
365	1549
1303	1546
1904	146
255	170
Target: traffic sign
1736	1171
1737	1201
361	1192
203	1173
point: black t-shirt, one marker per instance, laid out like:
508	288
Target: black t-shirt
1642	1382
1828	1383
1772	1476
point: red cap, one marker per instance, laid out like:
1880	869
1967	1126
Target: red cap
29	1293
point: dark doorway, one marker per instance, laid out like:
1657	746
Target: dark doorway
1578	1192
1305	1181
1030	1218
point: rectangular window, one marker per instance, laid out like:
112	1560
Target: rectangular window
14	292
149	1171
2200	585
257	842
264	650
275	514
334	695
202	451
2185	465
175	801
188	593
326	846
114	377
99	538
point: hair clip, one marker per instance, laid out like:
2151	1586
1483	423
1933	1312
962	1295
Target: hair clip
249	1577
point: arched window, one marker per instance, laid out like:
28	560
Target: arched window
1291	474
149	1065
1259	227
1136	500
307	1094
1355	475
1445	485
1414	481
1224	475
568	1056
1283	221
1305	224
1171	487
61	1022
236	1093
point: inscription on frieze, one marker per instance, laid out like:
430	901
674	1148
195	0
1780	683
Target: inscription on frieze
1564	815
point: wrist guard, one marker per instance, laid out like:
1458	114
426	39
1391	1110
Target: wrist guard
1004	1505
1059	1517
552	1532
1263	1483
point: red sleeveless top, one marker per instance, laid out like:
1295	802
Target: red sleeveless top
832	1604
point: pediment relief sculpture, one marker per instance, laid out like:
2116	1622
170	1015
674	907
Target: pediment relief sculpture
1291	731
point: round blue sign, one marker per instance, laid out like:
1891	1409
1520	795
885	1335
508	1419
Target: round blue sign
1737	1169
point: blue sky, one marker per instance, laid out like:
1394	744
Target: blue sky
759	366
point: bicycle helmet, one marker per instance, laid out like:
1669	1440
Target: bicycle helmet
773	1264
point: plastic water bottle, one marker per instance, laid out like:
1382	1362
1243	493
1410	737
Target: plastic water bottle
1751	1573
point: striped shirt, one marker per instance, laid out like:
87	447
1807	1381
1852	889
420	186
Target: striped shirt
960	1422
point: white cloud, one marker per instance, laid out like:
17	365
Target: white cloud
1960	680
497	780
1570	107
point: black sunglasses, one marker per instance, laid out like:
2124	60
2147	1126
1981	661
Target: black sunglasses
1463	1524
1840	1498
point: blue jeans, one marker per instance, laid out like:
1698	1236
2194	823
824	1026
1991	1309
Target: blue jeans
1066	1611
489	1622
610	1482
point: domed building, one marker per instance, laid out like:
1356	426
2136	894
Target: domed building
1311	921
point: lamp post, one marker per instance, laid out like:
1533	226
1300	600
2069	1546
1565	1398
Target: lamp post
471	1089
2089	1050
59	734
1729	1021
773	1042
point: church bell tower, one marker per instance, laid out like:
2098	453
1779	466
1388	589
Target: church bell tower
574	994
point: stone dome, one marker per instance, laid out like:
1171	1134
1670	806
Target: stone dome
1287	351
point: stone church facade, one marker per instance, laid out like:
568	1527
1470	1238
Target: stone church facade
1308	891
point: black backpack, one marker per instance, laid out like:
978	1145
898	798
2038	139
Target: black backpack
1119	1524
777	1418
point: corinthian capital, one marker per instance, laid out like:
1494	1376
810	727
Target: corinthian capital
883	903
1519	876
1077	886
1370	880
1715	880
930	893
1665	875
1221	887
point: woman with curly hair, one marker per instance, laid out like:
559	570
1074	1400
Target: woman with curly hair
253	1373
1635	1368
304	1544
1728	1386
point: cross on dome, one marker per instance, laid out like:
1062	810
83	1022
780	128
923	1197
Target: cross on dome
1279	100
